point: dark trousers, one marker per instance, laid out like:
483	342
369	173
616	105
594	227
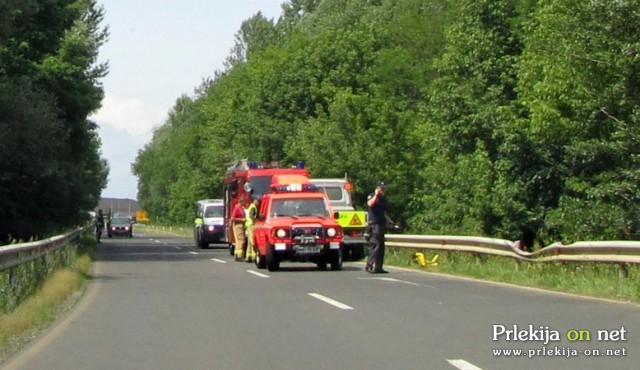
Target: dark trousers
376	254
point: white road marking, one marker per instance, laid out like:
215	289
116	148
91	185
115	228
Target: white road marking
396	281
331	301
176	247
192	252
256	273
463	365
219	261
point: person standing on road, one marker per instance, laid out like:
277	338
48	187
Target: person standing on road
99	223
377	219
252	213
238	220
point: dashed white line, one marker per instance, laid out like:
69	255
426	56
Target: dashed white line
393	280
192	252
330	301
218	260
256	273
463	365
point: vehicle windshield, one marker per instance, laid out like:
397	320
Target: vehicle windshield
299	207
259	185
121	221
333	192
216	210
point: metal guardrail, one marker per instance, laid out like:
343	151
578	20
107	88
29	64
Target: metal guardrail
620	252
588	251
15	254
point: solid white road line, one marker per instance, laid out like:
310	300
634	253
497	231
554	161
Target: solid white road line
463	365
330	301
256	273
219	261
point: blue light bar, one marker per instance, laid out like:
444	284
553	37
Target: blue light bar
290	188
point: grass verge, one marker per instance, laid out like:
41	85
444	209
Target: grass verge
56	295
602	280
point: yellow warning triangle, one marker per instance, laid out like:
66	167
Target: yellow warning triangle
355	220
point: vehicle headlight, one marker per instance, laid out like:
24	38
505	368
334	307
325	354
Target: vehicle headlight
211	227
331	232
281	233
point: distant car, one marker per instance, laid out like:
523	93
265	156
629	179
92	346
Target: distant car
120	226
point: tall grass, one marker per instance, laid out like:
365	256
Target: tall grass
44	306
602	280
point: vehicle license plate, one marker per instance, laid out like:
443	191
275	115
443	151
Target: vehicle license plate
306	250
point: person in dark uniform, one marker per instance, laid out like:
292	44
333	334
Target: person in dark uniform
99	224
377	222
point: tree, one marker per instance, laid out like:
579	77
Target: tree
53	173
579	82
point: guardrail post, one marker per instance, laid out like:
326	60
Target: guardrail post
479	258
624	271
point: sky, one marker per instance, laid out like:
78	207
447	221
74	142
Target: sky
159	50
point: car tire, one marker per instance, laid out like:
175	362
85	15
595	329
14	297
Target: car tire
271	260
335	259
357	252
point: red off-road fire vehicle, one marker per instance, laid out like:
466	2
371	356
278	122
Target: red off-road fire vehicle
249	180
296	223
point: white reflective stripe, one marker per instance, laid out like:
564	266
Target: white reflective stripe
334	245
281	246
258	274
331	301
463	365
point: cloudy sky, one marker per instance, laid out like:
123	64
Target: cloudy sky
157	51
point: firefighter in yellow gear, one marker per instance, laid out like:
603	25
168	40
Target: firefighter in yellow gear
252	213
238	219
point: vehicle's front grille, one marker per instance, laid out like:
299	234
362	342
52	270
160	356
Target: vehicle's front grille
305	231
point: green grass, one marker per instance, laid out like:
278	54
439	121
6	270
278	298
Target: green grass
52	299
600	280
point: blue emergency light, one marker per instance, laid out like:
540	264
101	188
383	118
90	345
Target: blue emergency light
289	188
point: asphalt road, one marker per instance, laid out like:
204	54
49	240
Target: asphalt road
157	302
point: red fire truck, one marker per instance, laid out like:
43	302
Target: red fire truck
249	180
296	223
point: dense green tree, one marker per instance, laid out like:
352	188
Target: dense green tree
471	184
51	172
503	118
579	81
